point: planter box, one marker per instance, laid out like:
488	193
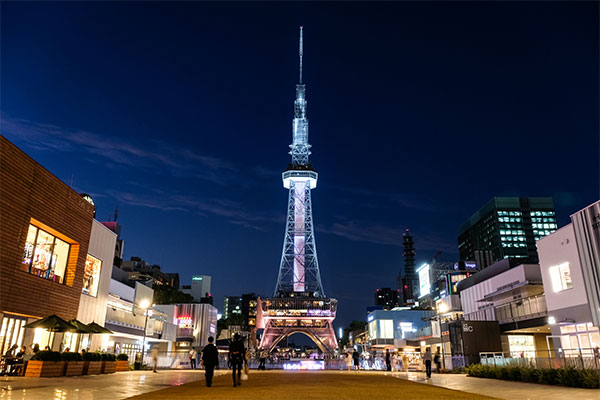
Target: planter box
45	369
92	367
73	368
109	367
122	366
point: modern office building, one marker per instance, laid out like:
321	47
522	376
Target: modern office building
44	242
570	268
199	289
396	328
387	298
232	305
512	294
508	227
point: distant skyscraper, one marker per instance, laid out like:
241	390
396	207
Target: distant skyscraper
407	279
506	227
386	298
231	306
200	287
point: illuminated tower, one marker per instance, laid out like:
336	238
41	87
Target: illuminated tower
299	303
299	267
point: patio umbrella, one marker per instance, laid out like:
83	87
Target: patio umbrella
97	328
82	329
52	323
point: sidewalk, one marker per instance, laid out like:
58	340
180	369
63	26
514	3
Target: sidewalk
506	390
115	386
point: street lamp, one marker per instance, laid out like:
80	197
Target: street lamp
144	304
442	309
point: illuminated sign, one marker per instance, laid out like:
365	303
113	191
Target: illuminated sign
304	365
184	321
424	281
370	318
196	278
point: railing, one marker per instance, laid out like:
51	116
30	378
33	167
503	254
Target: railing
527	308
586	359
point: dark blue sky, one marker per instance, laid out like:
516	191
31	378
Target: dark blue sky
179	114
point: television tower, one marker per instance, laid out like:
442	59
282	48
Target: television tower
299	304
299	267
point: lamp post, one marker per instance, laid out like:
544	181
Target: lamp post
144	304
443	308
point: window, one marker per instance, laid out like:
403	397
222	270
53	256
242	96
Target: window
45	255
91	276
386	329
561	277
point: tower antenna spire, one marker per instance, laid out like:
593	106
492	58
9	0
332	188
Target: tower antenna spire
301	51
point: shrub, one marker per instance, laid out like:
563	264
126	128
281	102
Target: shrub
47	355
107	357
122	357
89	356
590	378
548	376
71	356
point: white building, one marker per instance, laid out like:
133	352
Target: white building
199	288
570	265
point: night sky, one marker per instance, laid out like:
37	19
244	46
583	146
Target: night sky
180	116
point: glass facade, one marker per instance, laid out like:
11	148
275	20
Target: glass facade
45	255
11	332
91	276
579	339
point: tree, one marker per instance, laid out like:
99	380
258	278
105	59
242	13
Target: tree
355	326
164	294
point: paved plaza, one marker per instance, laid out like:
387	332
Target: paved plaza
186	384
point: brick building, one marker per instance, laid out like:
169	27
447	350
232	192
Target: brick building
44	235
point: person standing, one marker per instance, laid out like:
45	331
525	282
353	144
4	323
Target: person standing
193	355
356	358
437	362
405	361
349	361
388	362
210	358
427	360
394	361
236	356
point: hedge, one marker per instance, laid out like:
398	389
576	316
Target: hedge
583	378
91	356
47	355
108	357
122	357
71	356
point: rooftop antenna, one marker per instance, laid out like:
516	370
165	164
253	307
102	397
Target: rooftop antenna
116	214
300	55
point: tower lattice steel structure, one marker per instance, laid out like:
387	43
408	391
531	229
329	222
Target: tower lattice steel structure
299	303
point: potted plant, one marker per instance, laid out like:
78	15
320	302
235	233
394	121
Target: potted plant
45	364
109	363
73	363
122	362
92	363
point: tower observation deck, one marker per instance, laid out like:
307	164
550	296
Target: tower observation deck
299	303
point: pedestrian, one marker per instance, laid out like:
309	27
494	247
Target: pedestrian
262	360
356	358
247	362
427	360
404	359
388	362
193	355
210	358
436	361
349	361
394	362
236	356
155	358
36	348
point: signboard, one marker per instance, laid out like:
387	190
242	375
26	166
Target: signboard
424	281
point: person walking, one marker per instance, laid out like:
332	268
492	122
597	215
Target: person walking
349	361
394	361
210	358
437	362
404	359
388	363
356	358
193	356
236	356
155	358
263	359
427	360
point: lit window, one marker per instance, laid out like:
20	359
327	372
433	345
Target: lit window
561	277
45	255
91	276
